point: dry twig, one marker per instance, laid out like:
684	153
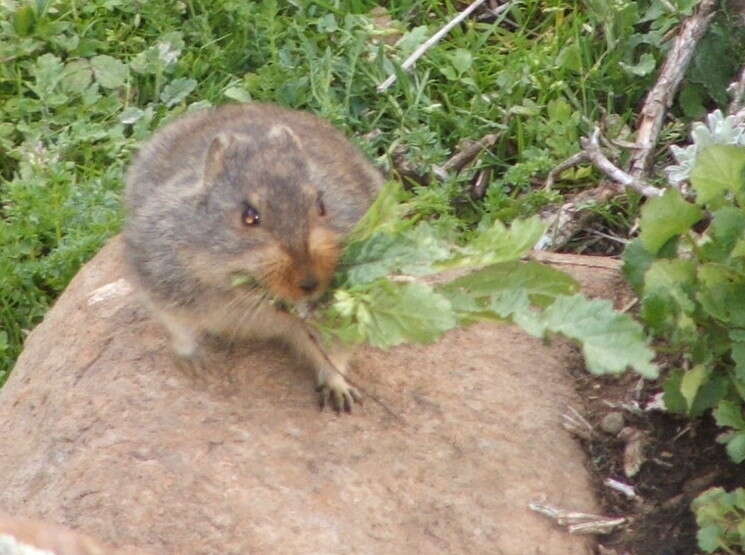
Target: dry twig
579	523
571	162
660	98
464	156
434	39
596	156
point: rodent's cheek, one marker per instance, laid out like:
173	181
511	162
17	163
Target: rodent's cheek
324	249
277	271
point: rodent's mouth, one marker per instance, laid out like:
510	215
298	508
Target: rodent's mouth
283	299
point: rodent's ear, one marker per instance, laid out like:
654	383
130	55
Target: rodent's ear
215	158
283	136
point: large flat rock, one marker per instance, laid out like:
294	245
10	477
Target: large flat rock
103	434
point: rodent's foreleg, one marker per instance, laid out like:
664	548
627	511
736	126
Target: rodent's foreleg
184	342
330	365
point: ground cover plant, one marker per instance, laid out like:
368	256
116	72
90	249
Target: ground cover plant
82	83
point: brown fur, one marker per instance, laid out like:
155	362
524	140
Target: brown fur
186	239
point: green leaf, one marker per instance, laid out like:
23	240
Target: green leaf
729	413
669	286
412	253
719	168
384	215
636	262
407	313
24	19
239	94
570	57
672	397
644	66
722	293
665	217
691	100
692	380
110	72
461	59
77	76
47	72
499	244
610	341
542	283
177	90
726	230
709	538
709	394
736	447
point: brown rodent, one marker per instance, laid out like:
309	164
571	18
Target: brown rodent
240	191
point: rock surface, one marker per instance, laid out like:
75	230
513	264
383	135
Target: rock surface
101	433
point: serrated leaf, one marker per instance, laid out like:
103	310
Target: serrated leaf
611	341
499	244
729	413
47	72
719	168
665	217
692	380
177	90
411	253
542	283
110	72
408	313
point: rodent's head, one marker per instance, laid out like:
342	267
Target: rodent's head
266	218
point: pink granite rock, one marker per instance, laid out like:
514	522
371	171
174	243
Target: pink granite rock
103	434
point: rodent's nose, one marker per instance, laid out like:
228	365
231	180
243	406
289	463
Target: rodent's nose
309	284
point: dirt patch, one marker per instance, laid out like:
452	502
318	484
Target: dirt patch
680	460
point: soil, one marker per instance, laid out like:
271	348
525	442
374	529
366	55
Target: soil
680	460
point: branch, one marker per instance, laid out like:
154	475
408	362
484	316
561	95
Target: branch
467	154
434	39
660	98
571	162
596	156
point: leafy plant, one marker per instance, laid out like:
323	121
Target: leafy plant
382	296
688	268
720	516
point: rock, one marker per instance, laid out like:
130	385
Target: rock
612	423
19	536
104	435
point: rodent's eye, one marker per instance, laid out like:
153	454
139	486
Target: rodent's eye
250	215
321	206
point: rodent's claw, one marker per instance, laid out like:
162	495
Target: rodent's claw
339	395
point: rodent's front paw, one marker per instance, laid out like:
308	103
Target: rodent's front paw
335	391
193	365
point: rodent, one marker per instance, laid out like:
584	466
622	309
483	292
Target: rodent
245	190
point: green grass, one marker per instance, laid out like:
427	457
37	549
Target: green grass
81	83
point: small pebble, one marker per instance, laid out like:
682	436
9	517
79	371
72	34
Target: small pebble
612	423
